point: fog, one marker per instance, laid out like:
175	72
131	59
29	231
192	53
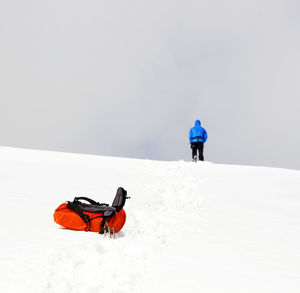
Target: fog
129	78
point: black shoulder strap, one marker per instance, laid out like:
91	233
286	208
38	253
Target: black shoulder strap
74	206
87	199
102	225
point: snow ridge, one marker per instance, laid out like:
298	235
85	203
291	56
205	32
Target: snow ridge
187	226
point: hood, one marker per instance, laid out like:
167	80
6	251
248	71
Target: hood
197	123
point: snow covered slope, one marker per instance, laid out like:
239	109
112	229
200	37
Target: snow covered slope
190	228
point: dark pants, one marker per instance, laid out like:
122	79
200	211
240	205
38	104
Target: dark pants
197	146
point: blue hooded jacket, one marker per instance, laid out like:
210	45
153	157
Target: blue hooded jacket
198	133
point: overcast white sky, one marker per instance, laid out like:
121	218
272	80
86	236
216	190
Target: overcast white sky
129	78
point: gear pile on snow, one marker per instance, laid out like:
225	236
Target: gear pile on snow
94	216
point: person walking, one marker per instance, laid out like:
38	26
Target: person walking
198	137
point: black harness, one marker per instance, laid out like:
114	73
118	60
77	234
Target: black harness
198	137
103	209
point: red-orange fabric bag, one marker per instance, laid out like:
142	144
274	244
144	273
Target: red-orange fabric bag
94	216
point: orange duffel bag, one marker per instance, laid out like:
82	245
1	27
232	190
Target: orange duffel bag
94	216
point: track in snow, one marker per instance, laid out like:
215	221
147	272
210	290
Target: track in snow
190	228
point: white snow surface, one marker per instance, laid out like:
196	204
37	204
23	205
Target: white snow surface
191	227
